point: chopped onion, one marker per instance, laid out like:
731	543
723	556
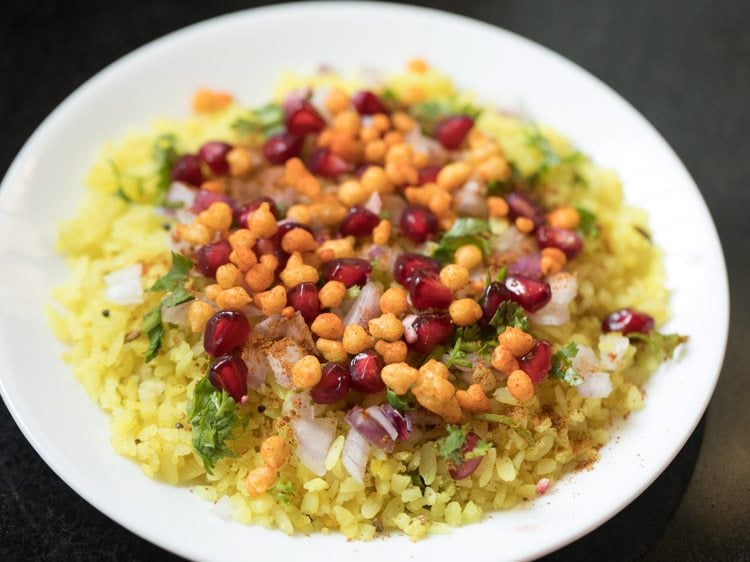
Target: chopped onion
257	366
595	385
180	193
223	508
354	455
376	414
542	486
556	312
394	205
401	421
470	199
176	314
365	307
370	429
124	285
299	404
585	362
410	332
374	203
612	348
513	240
185	216
280	363
314	438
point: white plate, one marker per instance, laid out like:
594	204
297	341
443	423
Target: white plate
244	53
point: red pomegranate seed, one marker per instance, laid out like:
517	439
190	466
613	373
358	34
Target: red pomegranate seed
426	291
214	155
627	321
407	264
432	330
428	174
333	385
304	297
452	131
325	163
248	209
521	206
225	331
529	293
418	223
359	222
467	467
494	295
537	362
210	257
281	147
187	169
365	370
303	119
561	238
229	373
350	271
367	103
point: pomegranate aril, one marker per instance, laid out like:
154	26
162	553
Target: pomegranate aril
333	385
226	331
304	297
537	362
561	238
431	330
494	295
204	199
521	206
418	223
281	147
427	291
229	373
350	271
214	155
253	205
364	370
187	169
428	174
529	293
367	103
407	264
359	222
452	131
303	119
627	321
210	257
325	163
467	467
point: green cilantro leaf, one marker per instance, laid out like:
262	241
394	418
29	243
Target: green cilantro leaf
417	480
267	120
509	422
662	346
213	419
464	231
479	450
449	447
499	188
164	154
283	490
510	314
587	226
401	404
549	156
176	276
153	327
429	113
562	365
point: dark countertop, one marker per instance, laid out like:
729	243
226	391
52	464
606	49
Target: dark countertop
684	65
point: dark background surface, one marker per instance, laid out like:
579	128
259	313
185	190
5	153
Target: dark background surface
684	65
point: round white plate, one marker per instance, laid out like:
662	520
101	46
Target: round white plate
244	53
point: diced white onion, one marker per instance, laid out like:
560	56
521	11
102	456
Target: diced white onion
585	362
299	404
280	364
556	312
354	455
314	438
595	385
223	508
365	307
374	203
376	414
470	199
124	285
612	348
180	193
176	314
410	333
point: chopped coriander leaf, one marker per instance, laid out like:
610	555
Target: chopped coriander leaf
498	188
662	346
510	314
176	276
164	155
549	156
353	291
283	490
429	113
213	418
417	480
449	447
480	449
178	296
562	365
401	404
509	422
267	120
153	327
464	231
587	226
